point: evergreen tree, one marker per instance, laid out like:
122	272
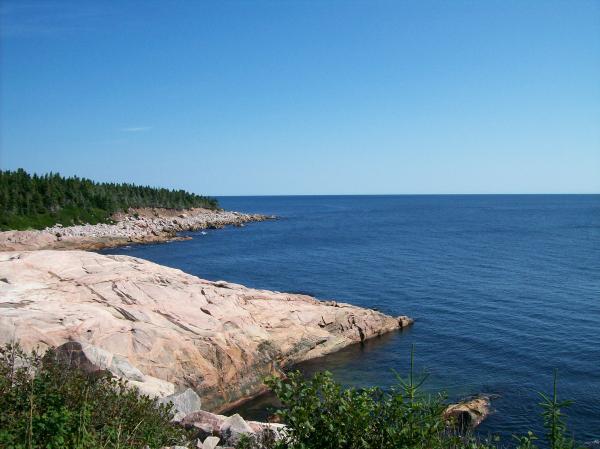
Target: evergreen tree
34	201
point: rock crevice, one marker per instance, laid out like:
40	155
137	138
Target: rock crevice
166	330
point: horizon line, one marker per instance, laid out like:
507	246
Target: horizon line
404	194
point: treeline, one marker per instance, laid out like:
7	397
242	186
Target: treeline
33	201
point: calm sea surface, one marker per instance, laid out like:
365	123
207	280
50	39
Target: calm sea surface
504	288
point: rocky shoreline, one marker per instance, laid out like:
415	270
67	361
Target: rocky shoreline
204	346
135	226
164	330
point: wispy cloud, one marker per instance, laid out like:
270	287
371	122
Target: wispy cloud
136	129
110	142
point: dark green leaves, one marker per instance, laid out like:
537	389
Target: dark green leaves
32	201
48	405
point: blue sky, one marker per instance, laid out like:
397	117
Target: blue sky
306	97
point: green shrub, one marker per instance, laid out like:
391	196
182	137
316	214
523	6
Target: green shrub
320	414
46	404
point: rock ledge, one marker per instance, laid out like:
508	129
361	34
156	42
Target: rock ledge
165	330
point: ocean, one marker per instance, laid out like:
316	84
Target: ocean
504	289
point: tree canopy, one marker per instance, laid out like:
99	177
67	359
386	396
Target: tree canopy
37	201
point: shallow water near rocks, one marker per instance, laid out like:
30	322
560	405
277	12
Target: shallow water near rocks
504	288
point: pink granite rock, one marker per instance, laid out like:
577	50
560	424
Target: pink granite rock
166	330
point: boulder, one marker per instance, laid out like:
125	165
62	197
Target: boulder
121	367
210	443
184	403
405	321
86	357
204	423
267	431
153	387
229	429
233	428
468	414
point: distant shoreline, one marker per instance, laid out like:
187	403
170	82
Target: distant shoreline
338	195
147	225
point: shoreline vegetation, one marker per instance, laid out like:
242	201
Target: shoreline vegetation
52	401
54	212
139	354
40	201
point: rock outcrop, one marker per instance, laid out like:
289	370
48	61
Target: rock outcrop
229	429
468	413
137	226
183	403
166	330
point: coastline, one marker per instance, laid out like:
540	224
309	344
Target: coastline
164	330
147	225
103	303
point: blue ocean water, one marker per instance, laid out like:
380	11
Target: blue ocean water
504	288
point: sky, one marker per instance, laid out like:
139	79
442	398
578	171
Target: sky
305	97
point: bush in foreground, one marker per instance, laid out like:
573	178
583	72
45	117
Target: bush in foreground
46	404
320	414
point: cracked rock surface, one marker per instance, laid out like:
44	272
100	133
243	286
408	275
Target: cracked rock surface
165	330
